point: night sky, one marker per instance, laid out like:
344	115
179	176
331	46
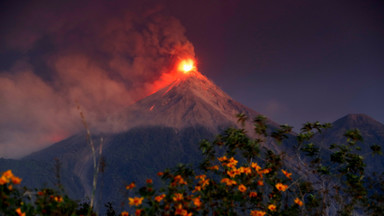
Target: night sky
293	61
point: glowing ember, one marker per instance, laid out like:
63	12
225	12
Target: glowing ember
187	65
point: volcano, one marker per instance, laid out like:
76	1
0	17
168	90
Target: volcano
189	101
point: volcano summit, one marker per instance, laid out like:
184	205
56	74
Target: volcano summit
190	100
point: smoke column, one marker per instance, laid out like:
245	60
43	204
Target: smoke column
100	55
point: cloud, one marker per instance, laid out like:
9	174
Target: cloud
32	114
101	55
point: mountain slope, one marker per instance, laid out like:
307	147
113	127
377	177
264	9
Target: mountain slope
134	155
371	130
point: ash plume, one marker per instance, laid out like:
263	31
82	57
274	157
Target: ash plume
100	55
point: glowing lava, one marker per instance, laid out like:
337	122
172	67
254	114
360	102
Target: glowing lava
182	69
186	65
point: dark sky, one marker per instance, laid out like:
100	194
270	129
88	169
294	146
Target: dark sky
293	61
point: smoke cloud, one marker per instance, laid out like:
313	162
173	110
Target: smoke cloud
99	55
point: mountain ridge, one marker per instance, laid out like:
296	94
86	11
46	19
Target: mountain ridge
372	132
356	119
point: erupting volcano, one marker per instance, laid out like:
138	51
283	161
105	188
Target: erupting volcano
187	99
157	132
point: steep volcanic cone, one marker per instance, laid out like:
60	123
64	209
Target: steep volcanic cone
189	100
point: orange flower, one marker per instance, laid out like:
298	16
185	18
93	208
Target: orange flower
7	177
281	187
130	186
216	167
179	209
58	199
185	213
3	180
178	197
160	173
257	213
221	159
197	202
16	180
228	181
255	166
287	174
231	162
241	169
197	188
252	194
272	207
138	212
19	213
204	183
149	181
242	188
159	198
298	201
246	170
136	201
124	213
8	174
178	180
202	177
265	171
232	173
260	183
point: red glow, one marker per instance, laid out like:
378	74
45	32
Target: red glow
53	138
182	68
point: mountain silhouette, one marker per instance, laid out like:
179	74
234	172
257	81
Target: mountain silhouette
371	130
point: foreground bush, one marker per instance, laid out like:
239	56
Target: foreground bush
236	177
21	201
